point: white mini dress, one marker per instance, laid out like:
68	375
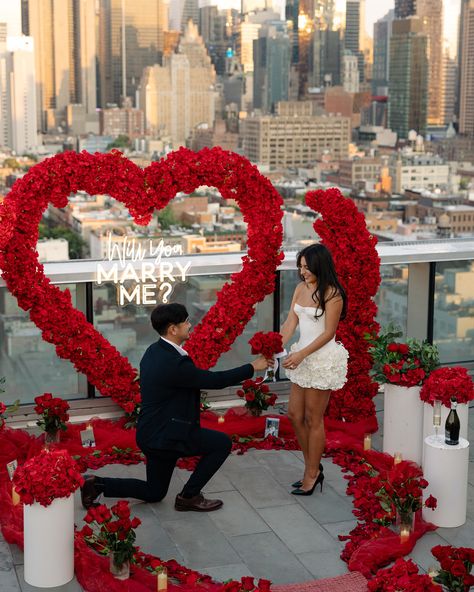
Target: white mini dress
324	369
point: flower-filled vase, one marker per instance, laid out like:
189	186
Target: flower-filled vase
52	437
403	422
405	521
119	569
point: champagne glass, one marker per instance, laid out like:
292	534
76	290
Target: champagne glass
437	416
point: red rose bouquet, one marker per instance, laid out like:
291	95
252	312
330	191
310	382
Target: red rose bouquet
53	413
402	489
257	396
402	575
111	532
47	476
444	383
456	565
403	364
267	345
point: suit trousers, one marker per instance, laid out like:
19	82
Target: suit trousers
213	447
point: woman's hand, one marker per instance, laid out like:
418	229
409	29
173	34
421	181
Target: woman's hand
293	360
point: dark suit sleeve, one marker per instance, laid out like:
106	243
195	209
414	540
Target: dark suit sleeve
188	375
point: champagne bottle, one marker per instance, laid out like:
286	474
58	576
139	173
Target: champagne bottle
452	425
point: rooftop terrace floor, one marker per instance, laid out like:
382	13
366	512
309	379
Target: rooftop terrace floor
261	531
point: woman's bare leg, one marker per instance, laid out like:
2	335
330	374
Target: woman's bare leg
316	402
296	414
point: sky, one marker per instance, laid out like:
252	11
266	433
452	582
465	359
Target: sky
374	9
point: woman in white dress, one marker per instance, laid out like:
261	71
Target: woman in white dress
317	364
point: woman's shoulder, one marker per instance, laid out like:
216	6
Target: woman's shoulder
332	293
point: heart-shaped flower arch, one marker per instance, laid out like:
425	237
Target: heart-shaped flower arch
142	192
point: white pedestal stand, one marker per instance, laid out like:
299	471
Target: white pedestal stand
403	422
49	543
445	469
428	429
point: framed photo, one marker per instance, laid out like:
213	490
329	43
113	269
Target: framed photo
87	437
272	425
11	468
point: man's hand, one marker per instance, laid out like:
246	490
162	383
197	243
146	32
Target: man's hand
261	363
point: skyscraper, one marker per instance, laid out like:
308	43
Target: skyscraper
405	8
181	11
131	37
408	86
466	68
431	14
381	67
65	57
271	55
326	58
354	34
180	95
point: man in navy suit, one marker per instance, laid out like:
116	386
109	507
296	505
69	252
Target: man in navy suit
168	425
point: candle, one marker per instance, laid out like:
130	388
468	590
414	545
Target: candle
221	419
15	497
162	580
397	458
367	442
404	534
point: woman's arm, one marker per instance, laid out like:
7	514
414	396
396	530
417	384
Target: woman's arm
289	326
333	313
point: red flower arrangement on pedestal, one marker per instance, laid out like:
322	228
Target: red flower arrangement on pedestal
402	364
456	566
403	575
343	230
257	396
142	192
444	383
47	476
53	413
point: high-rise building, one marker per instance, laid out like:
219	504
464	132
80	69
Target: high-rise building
381	67
65	56
131	37
179	95
350	73
325	68
271	55
354	38
431	14
450	87
17	101
405	8
10	14
466	68
182	11
408	86
216	27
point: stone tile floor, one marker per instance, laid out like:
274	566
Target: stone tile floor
261	531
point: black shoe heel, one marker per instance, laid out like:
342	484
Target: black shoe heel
299	483
300	491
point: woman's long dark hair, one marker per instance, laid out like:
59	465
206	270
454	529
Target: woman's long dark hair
320	263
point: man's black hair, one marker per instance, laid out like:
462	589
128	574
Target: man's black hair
165	315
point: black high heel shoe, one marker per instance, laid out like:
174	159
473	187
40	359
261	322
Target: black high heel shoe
299	483
300	491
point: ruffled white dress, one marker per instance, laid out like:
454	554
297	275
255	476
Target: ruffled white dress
326	368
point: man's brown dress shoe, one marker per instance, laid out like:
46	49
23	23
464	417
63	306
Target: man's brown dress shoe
198	503
90	491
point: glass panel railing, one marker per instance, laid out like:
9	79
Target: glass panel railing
453	329
392	296
28	363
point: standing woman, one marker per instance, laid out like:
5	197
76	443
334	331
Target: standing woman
317	364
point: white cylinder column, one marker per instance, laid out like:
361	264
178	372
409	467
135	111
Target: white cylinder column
446	469
403	422
49	543
428	429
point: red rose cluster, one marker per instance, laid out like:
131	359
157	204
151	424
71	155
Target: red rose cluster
257	395
247	584
111	530
444	383
403	575
266	344
343	230
46	477
53	412
456	566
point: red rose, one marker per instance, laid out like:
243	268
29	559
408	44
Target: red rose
264	585
247	583
458	569
392	347
403	349
250	396
431	502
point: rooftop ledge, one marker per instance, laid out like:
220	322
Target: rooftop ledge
422	251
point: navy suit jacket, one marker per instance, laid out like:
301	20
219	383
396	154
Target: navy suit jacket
170	386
